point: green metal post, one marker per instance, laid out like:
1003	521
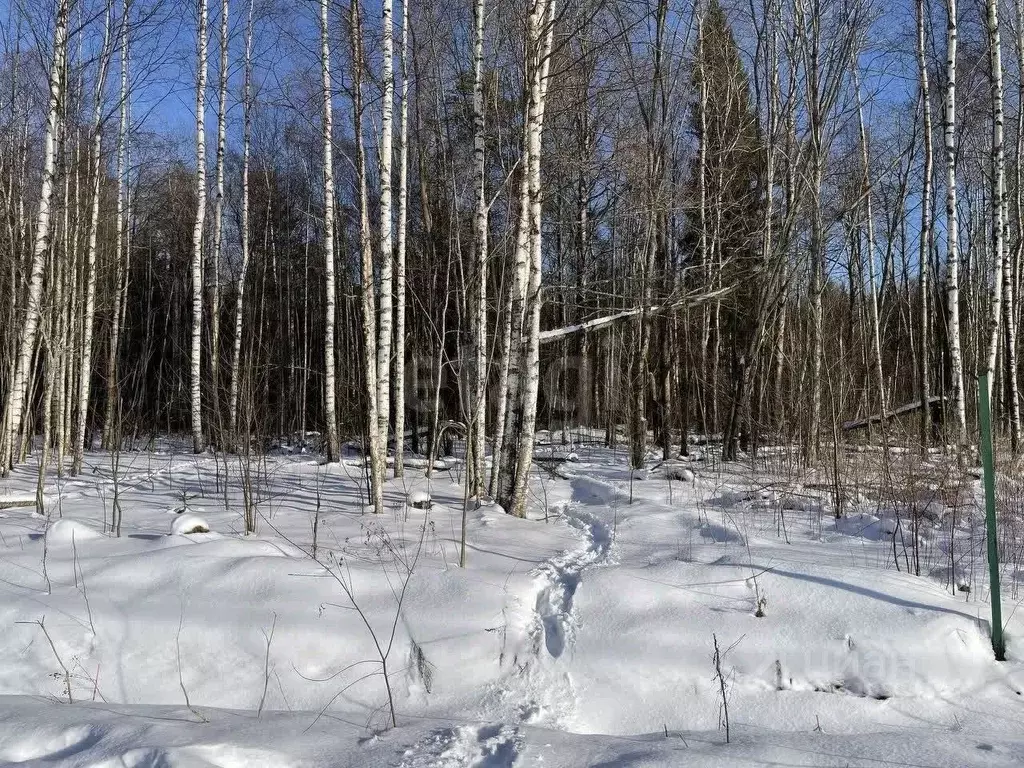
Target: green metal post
985	426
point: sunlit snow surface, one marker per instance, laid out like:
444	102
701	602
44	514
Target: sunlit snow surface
579	637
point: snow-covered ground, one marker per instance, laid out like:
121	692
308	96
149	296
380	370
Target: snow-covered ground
583	636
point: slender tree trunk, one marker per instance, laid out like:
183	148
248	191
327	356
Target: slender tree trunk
703	247
768	303
400	248
374	436
504	375
387	256
641	368
14	194
817	246
1013	283
925	241
198	440
505	457
1000	254
952	235
16	401
876	334
64	266
540	34
817	251
218	217
826	51
96	169
120	268
480	244
330	385
236	353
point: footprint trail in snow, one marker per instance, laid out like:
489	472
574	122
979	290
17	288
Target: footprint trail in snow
563	574
489	746
540	690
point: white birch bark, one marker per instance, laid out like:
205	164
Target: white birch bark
66	268
1011	309
236	345
506	456
541	33
330	405
218	215
400	248
386	152
480	247
924	247
504	374
15	407
1000	255
198	441
952	234
96	169
704	254
46	350
53	325
59	327
1006	262
120	269
14	195
374	437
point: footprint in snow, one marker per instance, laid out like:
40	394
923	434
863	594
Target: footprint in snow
52	747
490	746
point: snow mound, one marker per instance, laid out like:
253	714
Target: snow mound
186	524
419	499
674	470
68	531
44	745
720	534
12	502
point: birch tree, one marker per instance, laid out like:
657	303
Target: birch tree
374	438
952	234
693	273
477	432
925	241
400	248
218	211
247	108
998	189
14	410
1001	296
198	440
1017	258
120	252
97	173
524	380
386	306
327	136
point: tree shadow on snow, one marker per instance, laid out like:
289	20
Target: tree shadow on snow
869	593
626	760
